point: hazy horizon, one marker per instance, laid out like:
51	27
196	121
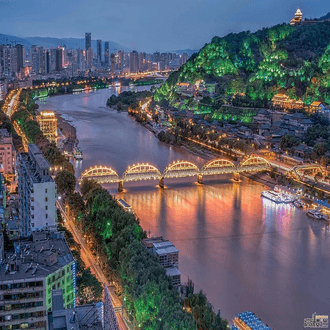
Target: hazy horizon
147	25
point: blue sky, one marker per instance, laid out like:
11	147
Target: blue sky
149	25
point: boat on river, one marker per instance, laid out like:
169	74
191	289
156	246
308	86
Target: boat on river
277	197
77	153
298	203
316	214
126	207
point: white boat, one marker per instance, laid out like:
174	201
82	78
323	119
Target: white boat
277	197
298	203
77	153
315	214
272	195
287	198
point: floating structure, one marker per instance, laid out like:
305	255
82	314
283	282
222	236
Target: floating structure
277	197
248	321
77	153
127	208
316	214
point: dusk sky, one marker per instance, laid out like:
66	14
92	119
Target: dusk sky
149	25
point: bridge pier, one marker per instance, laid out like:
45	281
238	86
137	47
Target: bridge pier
161	183
236	176
121	186
200	178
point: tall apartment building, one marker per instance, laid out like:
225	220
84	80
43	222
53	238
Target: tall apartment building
99	50
88	40
37	192
34	59
20	56
80	59
113	63
88	49
8	60
27	277
7	152
134	62
58	59
120	60
106	53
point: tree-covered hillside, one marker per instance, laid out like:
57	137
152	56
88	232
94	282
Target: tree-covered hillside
295	60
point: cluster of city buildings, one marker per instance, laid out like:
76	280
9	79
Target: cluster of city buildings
37	268
167	255
19	62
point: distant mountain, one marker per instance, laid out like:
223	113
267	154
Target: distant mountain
48	42
181	51
327	16
7	39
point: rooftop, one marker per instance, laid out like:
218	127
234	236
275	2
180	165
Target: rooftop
35	164
172	271
83	317
165	248
252	321
35	258
148	242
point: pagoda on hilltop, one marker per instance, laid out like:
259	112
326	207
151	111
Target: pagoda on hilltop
297	18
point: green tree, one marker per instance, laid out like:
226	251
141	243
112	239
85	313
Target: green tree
87	185
288	141
65	182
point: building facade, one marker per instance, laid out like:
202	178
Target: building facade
134	62
38	266
37	192
48	124
7	153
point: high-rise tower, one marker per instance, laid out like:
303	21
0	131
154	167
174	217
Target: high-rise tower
99	51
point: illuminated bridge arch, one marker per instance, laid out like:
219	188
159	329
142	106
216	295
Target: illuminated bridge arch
180	169
300	170
101	174
138	172
218	166
253	164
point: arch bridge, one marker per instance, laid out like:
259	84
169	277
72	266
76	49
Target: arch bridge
301	171
177	169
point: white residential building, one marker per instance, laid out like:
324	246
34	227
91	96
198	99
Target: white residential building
37	192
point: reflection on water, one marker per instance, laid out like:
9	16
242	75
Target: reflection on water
245	252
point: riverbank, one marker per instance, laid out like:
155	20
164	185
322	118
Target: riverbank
69	132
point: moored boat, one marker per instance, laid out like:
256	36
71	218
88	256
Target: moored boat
77	153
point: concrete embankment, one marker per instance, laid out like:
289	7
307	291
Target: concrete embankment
69	132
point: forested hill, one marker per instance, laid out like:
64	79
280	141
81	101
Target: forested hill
295	60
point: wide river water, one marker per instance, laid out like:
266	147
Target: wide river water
244	252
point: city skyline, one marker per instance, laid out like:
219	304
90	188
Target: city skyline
188	25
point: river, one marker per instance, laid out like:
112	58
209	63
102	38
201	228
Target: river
244	252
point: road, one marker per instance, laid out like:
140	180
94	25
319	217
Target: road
89	260
9	111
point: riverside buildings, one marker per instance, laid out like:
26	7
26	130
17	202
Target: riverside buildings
29	274
7	153
167	255
37	192
48	124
